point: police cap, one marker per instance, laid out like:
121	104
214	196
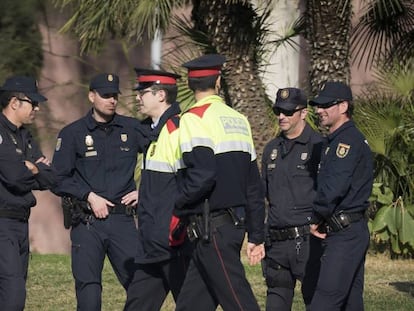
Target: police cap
149	77
204	66
331	94
290	98
25	85
105	83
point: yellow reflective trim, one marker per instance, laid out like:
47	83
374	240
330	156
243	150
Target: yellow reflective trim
197	142
242	146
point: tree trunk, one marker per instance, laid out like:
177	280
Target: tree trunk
231	32
329	24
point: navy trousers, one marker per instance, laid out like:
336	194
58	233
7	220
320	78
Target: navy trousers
341	279
14	260
115	237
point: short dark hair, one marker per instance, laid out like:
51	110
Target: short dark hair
202	83
6	96
170	89
350	109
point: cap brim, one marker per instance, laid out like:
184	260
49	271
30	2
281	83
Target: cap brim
322	101
36	97
289	105
107	90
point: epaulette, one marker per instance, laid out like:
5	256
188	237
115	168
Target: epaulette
173	123
199	111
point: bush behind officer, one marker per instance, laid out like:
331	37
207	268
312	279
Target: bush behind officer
23	168
96	157
344	186
219	189
289	169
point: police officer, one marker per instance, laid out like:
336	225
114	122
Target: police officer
289	168
161	257
96	157
344	186
23	168
219	190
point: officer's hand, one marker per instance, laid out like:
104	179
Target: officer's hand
43	160
315	232
130	198
99	205
255	253
33	168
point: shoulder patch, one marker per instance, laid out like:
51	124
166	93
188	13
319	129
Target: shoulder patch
199	111
58	144
1	139
342	150
173	123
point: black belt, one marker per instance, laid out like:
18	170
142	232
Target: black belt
13	214
342	220
288	233
122	209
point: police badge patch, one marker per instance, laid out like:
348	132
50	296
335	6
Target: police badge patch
342	150
124	138
273	155
58	144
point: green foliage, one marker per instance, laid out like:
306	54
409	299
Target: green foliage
384	30
393	223
20	39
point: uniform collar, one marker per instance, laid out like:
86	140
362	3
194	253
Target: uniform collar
340	129
92	124
206	100
6	122
152	134
303	138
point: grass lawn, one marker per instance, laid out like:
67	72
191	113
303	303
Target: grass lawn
389	285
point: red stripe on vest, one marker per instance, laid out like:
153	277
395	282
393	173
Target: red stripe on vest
171	127
199	111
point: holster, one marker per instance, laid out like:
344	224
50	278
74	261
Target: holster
74	211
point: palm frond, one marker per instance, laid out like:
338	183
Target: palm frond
383	26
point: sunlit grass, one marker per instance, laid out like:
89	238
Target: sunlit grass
389	285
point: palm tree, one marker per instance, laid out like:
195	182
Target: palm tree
328	32
232	28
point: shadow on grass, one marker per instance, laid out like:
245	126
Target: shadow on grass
406	287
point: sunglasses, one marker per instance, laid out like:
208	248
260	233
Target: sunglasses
287	113
33	103
330	104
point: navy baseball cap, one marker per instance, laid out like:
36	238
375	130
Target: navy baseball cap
25	85
150	77
105	83
205	66
290	98
331	94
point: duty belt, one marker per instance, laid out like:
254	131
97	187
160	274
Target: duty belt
196	228
14	214
122	209
342	220
288	233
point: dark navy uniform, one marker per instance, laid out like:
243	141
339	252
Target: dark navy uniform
100	158
162	260
17	182
344	186
221	179
289	170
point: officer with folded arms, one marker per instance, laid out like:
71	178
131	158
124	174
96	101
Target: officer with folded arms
289	169
23	168
344	185
95	157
